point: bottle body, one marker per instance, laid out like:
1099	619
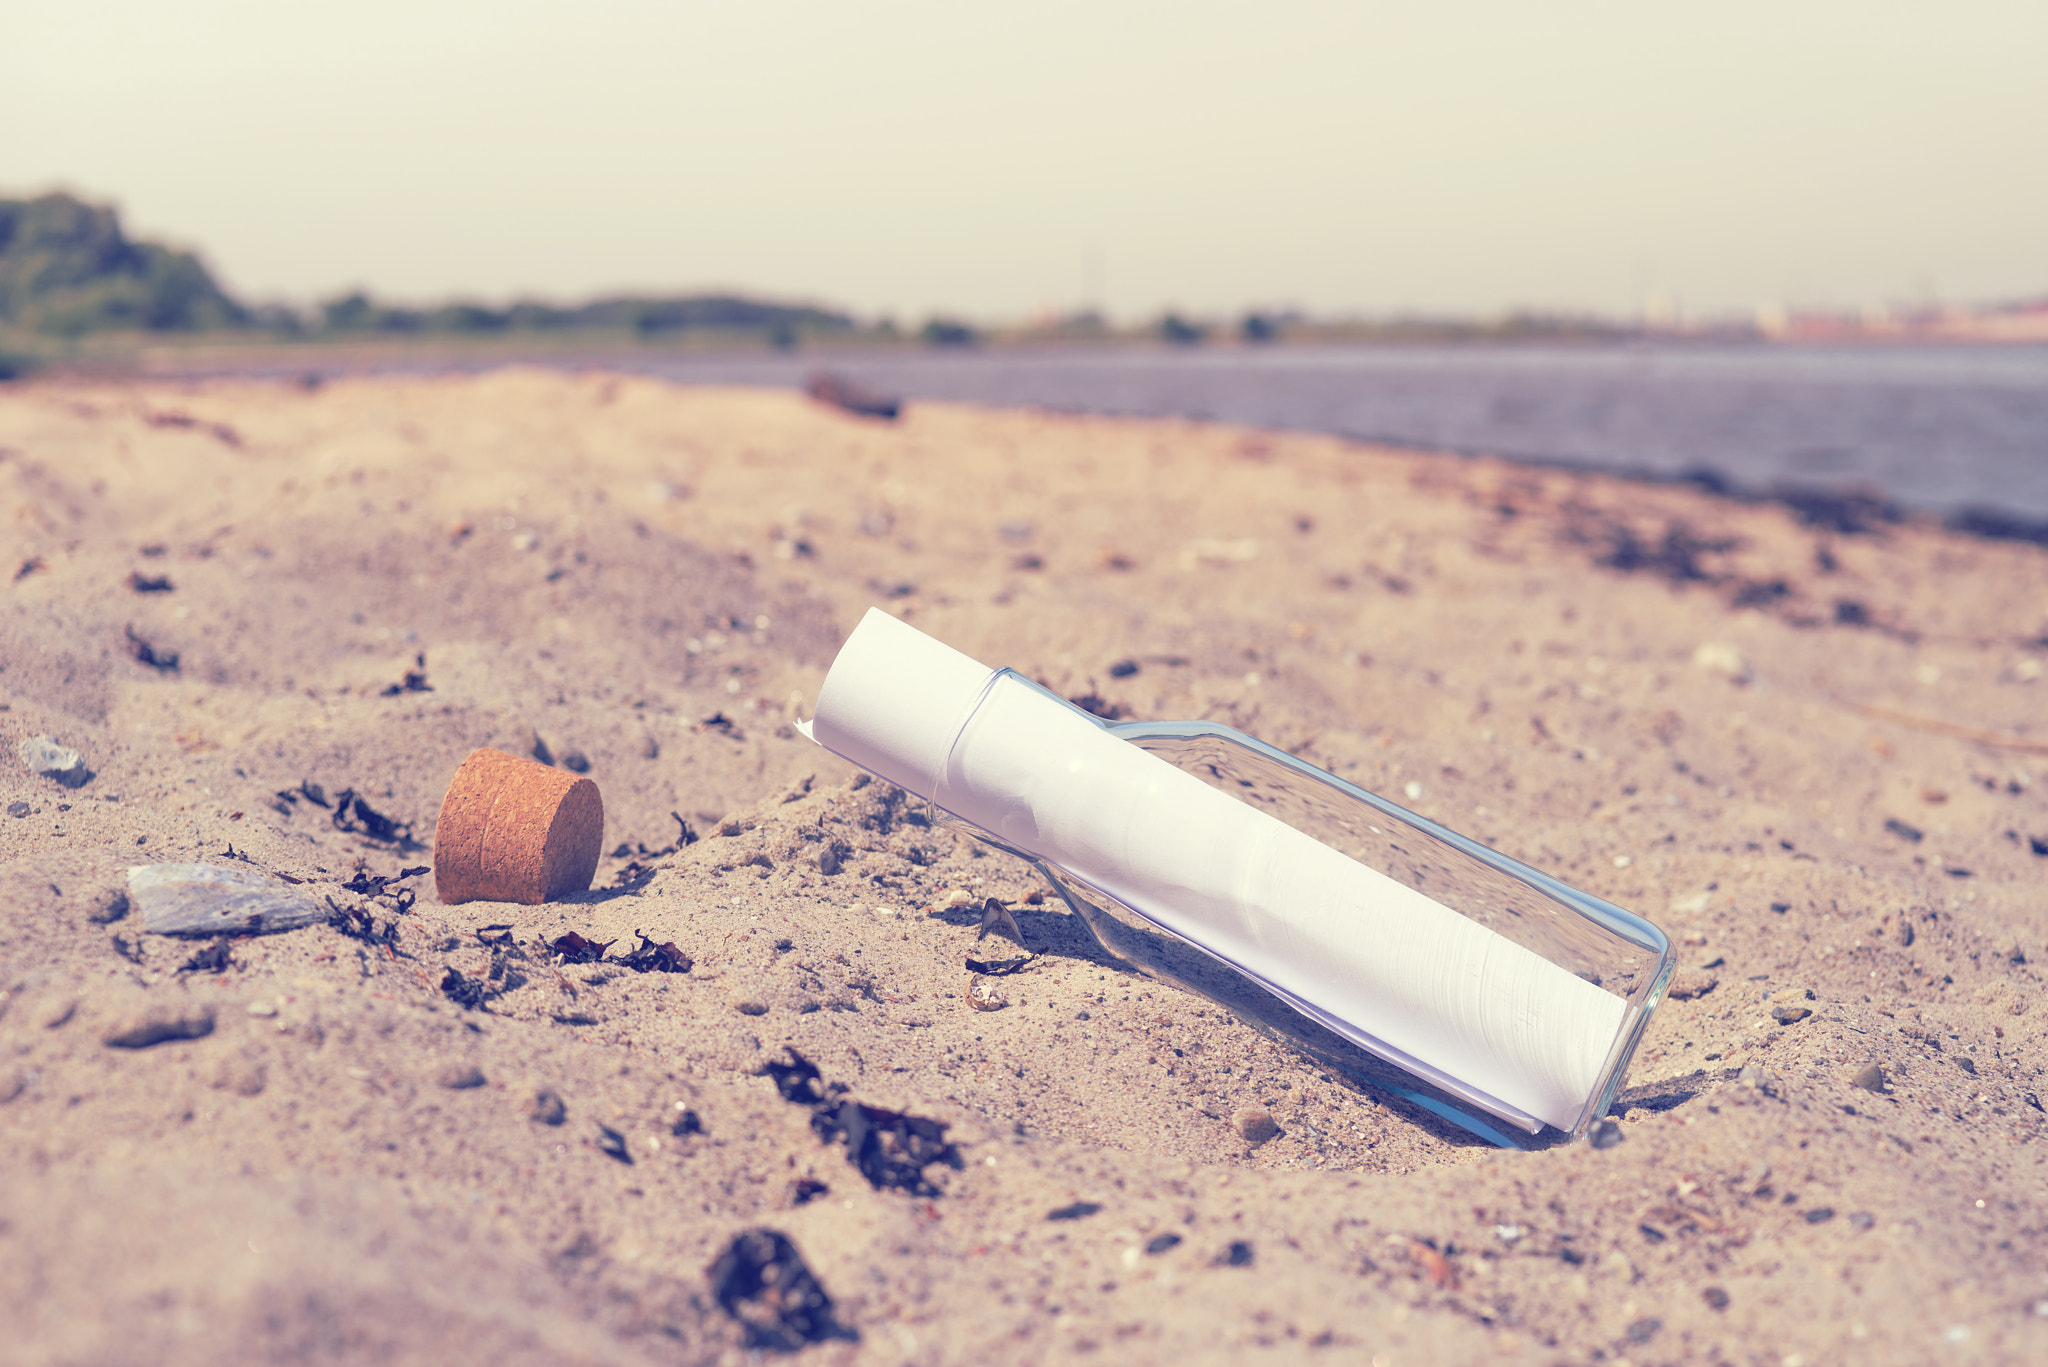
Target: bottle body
1403	954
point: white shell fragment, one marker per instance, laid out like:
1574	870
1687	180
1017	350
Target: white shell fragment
204	899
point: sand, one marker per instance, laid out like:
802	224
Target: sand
1816	757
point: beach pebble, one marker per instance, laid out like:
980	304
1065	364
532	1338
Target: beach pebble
204	899
831	859
1786	1014
460	1077
1871	1078
51	760
1605	1135
983	996
548	1109
18	809
1255	1124
159	1023
1690	983
958	897
1718	657
748	1005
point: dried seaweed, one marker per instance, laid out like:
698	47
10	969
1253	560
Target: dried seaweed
574	949
358	924
215	958
612	1145
653	958
357	817
415	680
367	884
798	1080
764	1284
997	968
139	647
464	991
1095	704
890	1148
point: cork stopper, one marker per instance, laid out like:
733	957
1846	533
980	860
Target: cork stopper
513	830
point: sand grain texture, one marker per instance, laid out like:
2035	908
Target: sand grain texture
1689	706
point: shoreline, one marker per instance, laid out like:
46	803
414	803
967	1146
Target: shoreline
1849	502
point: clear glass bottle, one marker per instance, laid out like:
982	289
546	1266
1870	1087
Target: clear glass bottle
1593	939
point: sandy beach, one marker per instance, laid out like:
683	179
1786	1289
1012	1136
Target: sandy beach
1815	756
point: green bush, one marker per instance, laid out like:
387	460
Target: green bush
67	269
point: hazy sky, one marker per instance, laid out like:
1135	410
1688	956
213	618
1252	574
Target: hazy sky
901	156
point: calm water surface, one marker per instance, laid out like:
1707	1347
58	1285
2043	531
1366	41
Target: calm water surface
1941	428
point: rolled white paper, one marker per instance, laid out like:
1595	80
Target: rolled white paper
1450	994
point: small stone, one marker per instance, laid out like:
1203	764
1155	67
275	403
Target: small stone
548	1108
1691	983
749	1006
1605	1135
17	809
1160	1243
106	906
460	1077
162	1024
51	760
1255	1124
1239	1254
983	995
576	762
262	1007
1718	657
1715	1297
1789	1015
1751	1076
1871	1078
202	899
1643	1330
1820	1215
958	897
1862	1219
831	859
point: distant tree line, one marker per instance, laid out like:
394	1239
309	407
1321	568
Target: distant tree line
643	316
67	269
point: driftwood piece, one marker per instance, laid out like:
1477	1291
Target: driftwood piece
205	899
